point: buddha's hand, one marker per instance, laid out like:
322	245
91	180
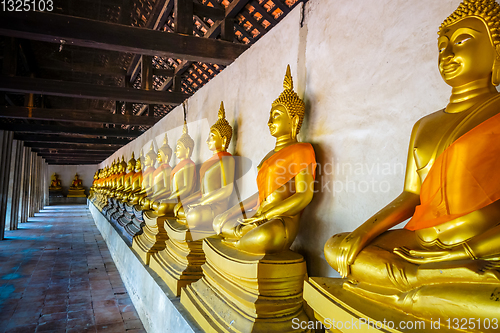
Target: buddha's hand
424	257
177	207
219	222
348	250
256	219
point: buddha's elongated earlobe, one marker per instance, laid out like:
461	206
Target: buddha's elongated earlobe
495	77
295	124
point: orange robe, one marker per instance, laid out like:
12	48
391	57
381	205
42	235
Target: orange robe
463	179
211	161
284	165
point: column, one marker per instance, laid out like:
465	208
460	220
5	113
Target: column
26	185
6	138
14	186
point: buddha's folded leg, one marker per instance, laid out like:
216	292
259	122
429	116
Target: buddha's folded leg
202	217
273	236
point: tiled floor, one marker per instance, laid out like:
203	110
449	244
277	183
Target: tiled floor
57	275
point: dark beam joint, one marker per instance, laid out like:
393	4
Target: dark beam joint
183	17
206	11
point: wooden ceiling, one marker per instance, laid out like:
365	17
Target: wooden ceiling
81	81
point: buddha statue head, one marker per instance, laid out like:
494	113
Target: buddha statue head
138	162
123	165
185	144
469	44
220	132
164	152
287	111
131	163
150	158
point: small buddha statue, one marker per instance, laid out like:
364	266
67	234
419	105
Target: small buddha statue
135	193
182	177
147	178
281	198
161	176
127	179
119	179
76	189
216	178
445	262
93	187
55	183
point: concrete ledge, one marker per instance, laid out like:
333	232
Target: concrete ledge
158	308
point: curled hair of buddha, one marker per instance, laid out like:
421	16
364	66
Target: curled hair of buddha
486	10
186	140
151	153
222	125
132	159
165	148
122	163
290	100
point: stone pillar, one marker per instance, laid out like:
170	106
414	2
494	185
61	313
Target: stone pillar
6	138
13	199
20	203
26	185
32	198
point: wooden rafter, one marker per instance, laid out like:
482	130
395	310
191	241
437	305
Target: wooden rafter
68	139
93	131
55	28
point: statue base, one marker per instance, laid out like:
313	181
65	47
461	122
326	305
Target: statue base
153	236
179	264
242	292
342	311
76	194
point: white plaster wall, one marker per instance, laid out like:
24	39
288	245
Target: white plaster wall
367	71
66	174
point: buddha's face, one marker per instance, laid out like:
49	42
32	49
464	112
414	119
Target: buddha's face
148	161
279	122
159	157
214	141
138	165
466	53
181	152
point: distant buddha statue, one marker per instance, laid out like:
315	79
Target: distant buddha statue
127	179
182	177
136	185
282	194
147	178
119	181
252	281
161	176
76	189
445	262
216	178
55	183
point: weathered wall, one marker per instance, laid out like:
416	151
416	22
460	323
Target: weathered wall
367	72
66	174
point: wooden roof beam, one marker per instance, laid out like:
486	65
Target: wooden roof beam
108	132
55	28
83	90
68	139
77	146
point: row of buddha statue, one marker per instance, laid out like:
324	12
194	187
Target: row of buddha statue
231	263
76	190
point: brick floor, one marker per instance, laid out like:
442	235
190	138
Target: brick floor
57	275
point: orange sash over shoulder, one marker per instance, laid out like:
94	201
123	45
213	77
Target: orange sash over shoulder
160	169
136	175
211	161
463	179
148	171
284	165
181	165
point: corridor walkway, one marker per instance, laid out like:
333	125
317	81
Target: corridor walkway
57	275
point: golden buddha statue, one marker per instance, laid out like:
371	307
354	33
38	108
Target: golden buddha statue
55	183
445	262
136	193
76	189
93	187
180	263
182	177
251	281
119	179
127	179
147	178
161	176
182	182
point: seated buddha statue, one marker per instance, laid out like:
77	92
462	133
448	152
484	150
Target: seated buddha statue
119	178
94	185
55	183
252	281
445	261
147	178
282	195
136	183
216	179
161	176
76	189
182	177
127	179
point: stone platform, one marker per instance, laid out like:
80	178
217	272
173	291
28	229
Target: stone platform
158	308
